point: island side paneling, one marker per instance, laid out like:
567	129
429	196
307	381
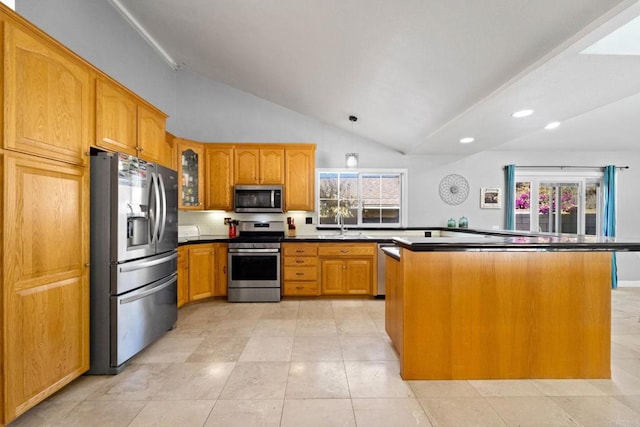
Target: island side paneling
475	315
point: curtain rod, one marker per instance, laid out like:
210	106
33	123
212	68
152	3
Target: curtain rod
568	167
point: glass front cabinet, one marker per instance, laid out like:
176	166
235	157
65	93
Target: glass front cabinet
191	175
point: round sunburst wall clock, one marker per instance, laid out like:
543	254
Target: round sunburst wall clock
454	189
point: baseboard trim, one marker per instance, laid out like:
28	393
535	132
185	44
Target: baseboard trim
629	283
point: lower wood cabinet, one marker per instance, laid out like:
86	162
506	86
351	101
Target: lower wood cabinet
202	271
347	268
393	302
310	269
45	276
300	269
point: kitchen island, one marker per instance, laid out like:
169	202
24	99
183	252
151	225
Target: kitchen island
501	306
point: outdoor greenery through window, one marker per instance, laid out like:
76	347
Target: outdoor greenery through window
363	198
559	203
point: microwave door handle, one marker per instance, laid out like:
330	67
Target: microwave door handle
273	199
163	207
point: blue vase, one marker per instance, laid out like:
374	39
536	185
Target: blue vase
463	222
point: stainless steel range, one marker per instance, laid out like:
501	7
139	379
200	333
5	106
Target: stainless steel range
254	262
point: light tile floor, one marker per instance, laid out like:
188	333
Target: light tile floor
329	363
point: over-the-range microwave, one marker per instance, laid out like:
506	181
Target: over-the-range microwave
258	198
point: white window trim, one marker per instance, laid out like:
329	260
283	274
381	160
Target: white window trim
535	176
404	193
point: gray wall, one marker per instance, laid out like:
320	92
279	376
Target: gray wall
209	111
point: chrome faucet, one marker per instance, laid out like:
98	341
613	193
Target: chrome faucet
340	221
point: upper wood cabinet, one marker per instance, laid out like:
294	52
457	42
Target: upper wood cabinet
116	118
219	176
226	165
259	164
190	174
152	141
125	124
47	94
299	180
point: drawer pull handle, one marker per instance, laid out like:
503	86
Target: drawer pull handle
344	251
300	261
299	287
300	251
299	273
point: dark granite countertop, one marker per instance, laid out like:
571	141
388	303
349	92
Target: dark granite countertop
460	239
204	238
500	240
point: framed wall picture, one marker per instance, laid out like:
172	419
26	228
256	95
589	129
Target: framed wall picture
490	198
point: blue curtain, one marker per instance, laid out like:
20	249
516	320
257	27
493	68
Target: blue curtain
609	217
510	194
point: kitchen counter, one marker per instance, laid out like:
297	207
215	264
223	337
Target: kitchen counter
517	243
204	238
500	305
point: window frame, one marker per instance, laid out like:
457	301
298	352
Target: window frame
581	177
404	199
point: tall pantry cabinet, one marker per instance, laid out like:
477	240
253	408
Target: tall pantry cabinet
48	97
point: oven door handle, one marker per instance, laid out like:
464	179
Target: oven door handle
254	251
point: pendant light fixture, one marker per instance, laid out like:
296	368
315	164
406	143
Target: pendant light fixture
351	159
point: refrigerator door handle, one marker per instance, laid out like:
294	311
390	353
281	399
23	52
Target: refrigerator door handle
156	212
162	208
142	293
133	266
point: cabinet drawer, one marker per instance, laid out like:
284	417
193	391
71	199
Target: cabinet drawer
300	288
362	250
300	261
300	250
301	273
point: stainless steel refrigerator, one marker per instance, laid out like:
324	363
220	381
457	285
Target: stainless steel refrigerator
134	237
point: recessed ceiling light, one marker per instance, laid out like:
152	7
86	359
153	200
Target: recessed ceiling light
552	125
467	140
522	113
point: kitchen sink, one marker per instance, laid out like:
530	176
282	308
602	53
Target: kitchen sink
343	236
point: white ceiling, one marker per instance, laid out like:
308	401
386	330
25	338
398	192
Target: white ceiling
419	74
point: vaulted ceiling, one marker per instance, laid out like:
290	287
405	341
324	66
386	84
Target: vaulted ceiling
419	74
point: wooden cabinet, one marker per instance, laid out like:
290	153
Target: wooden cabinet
202	271
255	164
116	118
393	302
45	276
208	184
220	288
219	176
183	275
202	275
300	269
126	124
299	183
47	97
152	141
347	268
190	174
47	123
